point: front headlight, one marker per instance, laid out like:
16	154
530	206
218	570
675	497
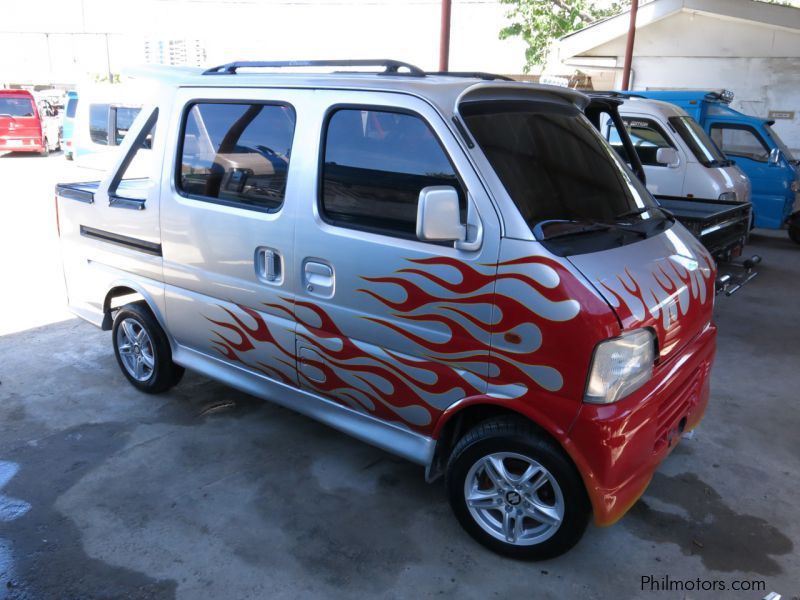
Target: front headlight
620	366
796	186
728	196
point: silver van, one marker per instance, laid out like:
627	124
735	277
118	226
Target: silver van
455	268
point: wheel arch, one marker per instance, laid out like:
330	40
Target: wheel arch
131	291
465	414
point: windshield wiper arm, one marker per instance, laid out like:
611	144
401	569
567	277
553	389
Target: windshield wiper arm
632	213
587	228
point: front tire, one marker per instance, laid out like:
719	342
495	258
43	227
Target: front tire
142	350
515	491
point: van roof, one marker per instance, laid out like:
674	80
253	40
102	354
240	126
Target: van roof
442	89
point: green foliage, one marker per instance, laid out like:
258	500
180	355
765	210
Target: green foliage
540	22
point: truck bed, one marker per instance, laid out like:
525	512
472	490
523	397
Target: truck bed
722	226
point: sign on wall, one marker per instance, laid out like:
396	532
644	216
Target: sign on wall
781	114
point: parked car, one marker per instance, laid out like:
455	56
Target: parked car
723	226
103	117
454	269
757	149
24	126
68	123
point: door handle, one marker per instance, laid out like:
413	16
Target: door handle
318	278
268	265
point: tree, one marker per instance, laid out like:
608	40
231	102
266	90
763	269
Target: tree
540	22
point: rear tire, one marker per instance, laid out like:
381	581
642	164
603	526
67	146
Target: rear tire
142	350
515	492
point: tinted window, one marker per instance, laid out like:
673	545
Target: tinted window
124	119
72	106
739	141
98	123
375	165
553	163
237	153
16	107
647	137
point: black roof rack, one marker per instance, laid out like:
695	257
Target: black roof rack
472	75
391	67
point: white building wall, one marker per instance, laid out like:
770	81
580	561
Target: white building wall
759	63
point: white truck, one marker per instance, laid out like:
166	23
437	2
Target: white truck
679	159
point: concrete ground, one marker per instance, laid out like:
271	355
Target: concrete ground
205	492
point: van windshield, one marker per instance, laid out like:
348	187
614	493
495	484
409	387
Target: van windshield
702	146
16	107
562	175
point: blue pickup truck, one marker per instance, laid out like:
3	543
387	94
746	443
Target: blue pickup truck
757	149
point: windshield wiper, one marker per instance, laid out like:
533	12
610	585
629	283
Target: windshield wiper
632	213
584	228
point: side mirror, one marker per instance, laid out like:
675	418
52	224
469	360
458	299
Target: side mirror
774	156
667	156
438	215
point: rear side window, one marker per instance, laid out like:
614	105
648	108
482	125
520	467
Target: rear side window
98	123
647	136
375	164
237	153
124	117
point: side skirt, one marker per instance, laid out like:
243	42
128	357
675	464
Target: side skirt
386	436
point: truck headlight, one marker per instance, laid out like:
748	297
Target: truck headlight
620	366
728	196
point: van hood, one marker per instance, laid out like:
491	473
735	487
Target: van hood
665	283
738	182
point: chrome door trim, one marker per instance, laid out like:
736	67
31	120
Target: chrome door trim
386	436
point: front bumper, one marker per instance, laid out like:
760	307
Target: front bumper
617	447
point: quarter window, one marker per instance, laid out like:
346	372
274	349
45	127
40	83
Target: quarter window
647	137
375	164
123	119
98	123
739	141
237	153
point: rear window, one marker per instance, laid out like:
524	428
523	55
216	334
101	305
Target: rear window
16	107
236	153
